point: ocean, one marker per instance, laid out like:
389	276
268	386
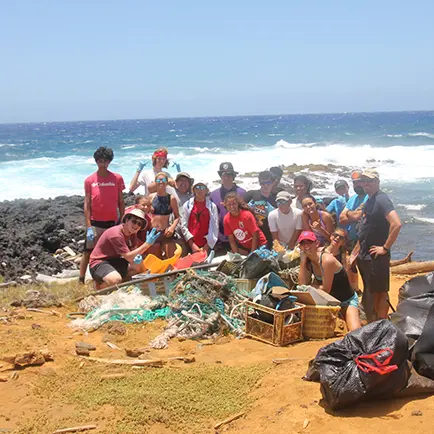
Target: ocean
41	160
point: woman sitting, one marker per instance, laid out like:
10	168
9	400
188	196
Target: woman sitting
240	226
162	206
200	221
329	274
316	221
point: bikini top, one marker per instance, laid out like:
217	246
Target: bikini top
341	287
161	205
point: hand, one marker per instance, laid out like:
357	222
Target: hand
90	235
152	236
377	251
195	248
206	248
171	182
141	165
169	232
315	226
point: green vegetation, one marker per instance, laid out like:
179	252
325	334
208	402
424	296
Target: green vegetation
189	399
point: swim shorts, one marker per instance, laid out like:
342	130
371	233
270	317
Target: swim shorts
100	270
352	301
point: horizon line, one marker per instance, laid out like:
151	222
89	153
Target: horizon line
217	116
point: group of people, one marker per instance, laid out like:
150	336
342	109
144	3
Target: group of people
336	240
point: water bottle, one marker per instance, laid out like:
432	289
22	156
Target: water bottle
138	259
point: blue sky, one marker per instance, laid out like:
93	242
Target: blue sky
76	60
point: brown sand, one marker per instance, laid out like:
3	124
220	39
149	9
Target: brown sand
282	401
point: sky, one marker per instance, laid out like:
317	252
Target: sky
94	59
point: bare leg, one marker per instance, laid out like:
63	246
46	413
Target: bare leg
84	263
352	318
110	279
381	306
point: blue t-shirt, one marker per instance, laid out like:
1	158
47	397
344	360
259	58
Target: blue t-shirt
336	206
353	203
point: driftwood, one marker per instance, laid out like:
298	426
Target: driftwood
157	363
401	261
229	420
413	268
75	429
112	376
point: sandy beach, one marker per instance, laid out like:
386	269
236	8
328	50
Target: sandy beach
42	399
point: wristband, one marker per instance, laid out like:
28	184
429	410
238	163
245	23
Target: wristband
386	249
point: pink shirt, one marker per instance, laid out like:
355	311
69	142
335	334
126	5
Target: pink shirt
104	195
112	244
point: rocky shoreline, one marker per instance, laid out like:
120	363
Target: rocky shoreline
46	236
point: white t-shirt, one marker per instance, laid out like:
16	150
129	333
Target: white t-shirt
146	177
285	224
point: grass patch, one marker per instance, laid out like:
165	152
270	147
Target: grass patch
185	400
65	294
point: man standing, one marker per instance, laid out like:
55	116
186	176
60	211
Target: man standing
349	218
227	175
336	206
262	203
285	222
102	201
379	229
183	183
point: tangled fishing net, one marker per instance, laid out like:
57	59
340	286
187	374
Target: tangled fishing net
200	304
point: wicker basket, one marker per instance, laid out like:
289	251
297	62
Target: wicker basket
320	321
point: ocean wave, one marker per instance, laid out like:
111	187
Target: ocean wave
425	219
411	207
393	135
275	135
422	134
128	146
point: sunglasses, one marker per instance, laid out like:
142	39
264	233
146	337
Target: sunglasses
339	236
282	202
265	182
226	173
200	187
160	180
305	242
137	222
368	180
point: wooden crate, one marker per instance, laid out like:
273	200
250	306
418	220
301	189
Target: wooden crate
320	321
277	333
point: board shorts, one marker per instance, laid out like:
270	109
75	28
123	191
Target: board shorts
352	301
375	273
100	270
98	229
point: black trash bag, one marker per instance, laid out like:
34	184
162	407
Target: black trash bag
416	286
417	385
277	303
423	353
411	315
370	362
255	267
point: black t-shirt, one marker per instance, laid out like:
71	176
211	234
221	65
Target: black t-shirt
261	206
373	227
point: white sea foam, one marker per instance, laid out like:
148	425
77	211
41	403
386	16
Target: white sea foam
393	135
49	177
425	219
410	207
128	146
422	134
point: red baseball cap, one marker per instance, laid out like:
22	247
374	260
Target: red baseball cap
306	235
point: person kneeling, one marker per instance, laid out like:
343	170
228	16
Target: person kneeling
330	276
114	253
